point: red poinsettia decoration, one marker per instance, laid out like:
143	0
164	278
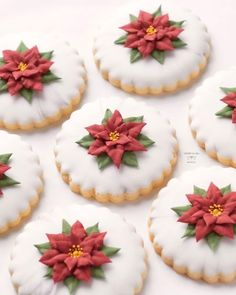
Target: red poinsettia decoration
76	254
25	70
151	34
4	167
116	139
228	111
211	215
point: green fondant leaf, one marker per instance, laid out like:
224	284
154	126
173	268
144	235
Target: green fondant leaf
49	77
103	161
121	40
213	240
234	226
22	47
132	17
159	56
135	55
144	140
133	119
108	115
7	181
66	227
226	112
98	272
43	247
92	229
190	231
158	12
228	90
178	43
177	24
199	191
49	272
110	251
86	141
3	85
225	190
180	210
2	62
130	159
27	94
71	283
47	55
4	158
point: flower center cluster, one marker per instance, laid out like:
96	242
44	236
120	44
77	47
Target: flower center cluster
22	66
215	210
114	136
151	30
76	251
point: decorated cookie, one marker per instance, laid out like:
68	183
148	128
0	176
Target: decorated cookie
213	116
78	250
152	48
41	80
20	181
116	150
193	224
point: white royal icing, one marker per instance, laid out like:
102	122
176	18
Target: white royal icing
25	169
167	232
147	72
83	168
217	133
122	276
56	95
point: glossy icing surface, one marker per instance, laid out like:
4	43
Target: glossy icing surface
83	168
55	95
25	169
179	64
167	232
123	275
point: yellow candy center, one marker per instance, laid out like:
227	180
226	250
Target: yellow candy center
75	251
151	30
215	210
114	136
22	66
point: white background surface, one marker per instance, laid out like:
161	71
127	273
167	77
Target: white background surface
77	21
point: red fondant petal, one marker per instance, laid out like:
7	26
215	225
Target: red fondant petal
162	20
164	44
95	129
224	218
10	56
60	272
83	273
214	193
95	241
131	28
230	99
226	230
71	262
132	41
209	219
145	17
99	258
97	147
234	116
116	154
51	257
78	233
115	121
134	145
59	242
147	48
3	168
84	260
202	230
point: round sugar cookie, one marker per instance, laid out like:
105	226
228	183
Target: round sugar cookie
152	47
116	150
98	253
20	181
212	116
42	79
192	224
